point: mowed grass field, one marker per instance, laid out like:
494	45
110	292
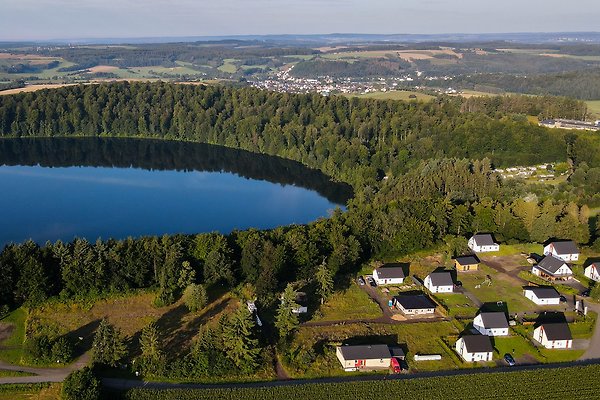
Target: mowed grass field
594	107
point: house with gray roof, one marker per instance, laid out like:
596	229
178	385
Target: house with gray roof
389	274
553	268
474	348
542	295
592	271
554	335
466	263
491	324
483	242
364	357
414	304
566	250
439	282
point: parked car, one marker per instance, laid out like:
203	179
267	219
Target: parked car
509	360
563	299
361	281
371	281
458	284
586	293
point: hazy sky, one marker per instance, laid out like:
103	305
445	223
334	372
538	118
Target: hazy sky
65	19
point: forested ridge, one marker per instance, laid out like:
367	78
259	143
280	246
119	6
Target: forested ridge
422	173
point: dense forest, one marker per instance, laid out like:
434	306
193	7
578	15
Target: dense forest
422	174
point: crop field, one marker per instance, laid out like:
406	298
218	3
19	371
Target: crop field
579	382
228	66
407	55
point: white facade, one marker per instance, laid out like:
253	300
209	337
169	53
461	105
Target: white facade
539	334
415	311
366	364
592	272
478	248
564	271
479	325
437	289
461	349
530	294
386	281
549	249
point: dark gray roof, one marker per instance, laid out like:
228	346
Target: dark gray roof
478	344
467	260
441	278
557	331
544	292
366	352
484	239
413	302
565	247
389	272
397	352
493	320
550	264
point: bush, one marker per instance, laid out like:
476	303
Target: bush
81	385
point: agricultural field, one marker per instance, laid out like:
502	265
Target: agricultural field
404	95
525	385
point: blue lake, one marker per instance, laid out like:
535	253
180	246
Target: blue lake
64	188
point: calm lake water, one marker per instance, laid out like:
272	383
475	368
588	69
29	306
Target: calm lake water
62	188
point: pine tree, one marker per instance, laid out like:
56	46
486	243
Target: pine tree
195	297
324	278
287	319
238	339
108	347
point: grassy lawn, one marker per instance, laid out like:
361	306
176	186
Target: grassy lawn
514	249
4	373
396	95
549	355
228	66
584	328
352	303
37	391
594	107
516	345
458	305
503	288
564	289
11	349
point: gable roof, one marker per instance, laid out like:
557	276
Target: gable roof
544	292
467	260
493	320
413	302
390	271
565	247
550	264
366	352
595	265
441	278
484	239
557	331
477	343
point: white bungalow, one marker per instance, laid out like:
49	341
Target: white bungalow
389	274
565	250
554	336
491	324
592	271
414	304
483	242
553	268
364	357
475	348
439	282
543	296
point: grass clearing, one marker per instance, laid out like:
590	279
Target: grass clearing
352	303
5	373
458	305
11	347
594	107
228	66
516	345
34	391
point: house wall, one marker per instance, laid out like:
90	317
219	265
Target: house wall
415	311
565	257
368	364
540	336
592	273
467	267
437	289
490	331
461	349
542	302
388	281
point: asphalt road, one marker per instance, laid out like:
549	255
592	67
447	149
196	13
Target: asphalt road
57	374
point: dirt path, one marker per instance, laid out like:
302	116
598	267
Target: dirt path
282	374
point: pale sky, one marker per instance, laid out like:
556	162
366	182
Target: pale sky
71	19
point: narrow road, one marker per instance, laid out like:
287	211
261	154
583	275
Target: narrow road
593	350
57	374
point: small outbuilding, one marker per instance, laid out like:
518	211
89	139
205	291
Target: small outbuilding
566	250
543	296
474	348
466	263
553	268
592	271
439	282
482	243
554	335
364	357
414	304
491	324
389	274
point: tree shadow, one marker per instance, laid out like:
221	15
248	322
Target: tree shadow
83	338
495	306
551	317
